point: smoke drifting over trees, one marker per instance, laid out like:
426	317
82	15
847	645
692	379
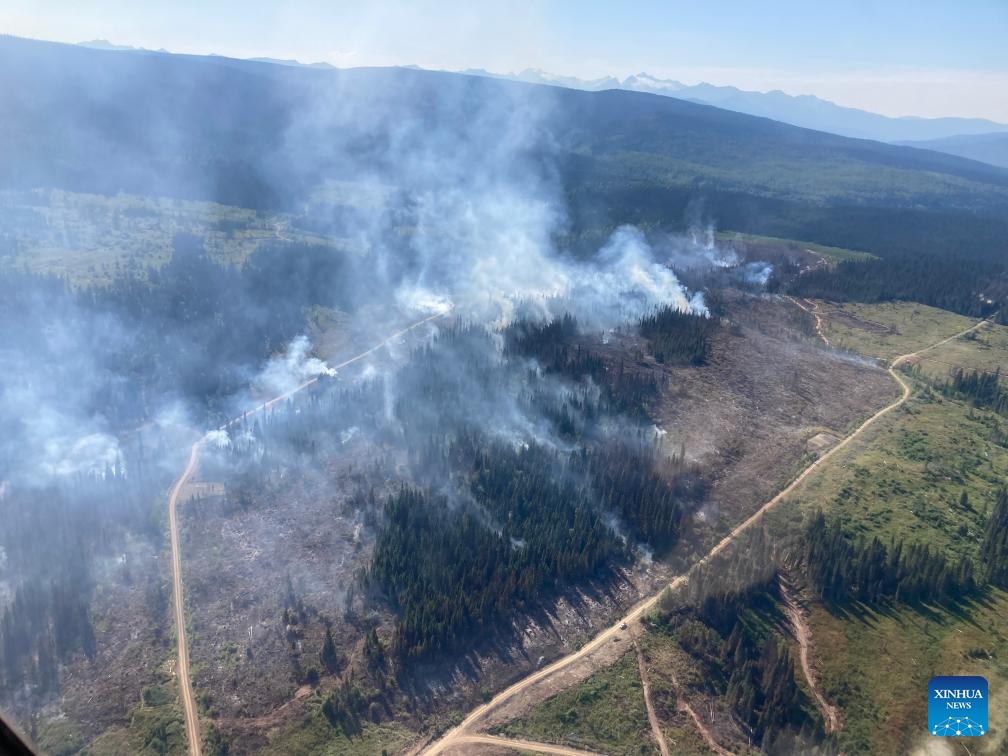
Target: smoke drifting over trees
452	204
485	308
522	445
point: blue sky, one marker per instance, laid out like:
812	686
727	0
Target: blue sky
892	56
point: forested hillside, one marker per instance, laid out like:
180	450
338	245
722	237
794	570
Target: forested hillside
630	157
274	136
542	400
482	528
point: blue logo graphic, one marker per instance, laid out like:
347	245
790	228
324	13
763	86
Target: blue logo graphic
957	706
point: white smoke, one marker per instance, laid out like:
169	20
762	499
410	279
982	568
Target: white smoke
700	246
622	283
92	454
756	273
58	443
626	282
218	438
284	373
420	300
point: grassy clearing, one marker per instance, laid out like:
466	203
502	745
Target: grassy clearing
833	254
877	666
605	713
904	479
890	329
155	727
986	349
312	734
89	238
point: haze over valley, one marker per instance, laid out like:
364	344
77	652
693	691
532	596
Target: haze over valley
360	410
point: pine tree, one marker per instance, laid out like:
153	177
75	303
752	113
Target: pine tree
994	550
328	655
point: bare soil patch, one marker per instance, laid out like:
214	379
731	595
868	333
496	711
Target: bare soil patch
821	441
747	417
853	321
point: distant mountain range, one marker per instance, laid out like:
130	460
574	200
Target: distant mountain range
290	62
802	110
277	138
104	44
107	45
988	148
974	138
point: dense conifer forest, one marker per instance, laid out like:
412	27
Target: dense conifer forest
844	570
982	388
994	550
556	348
723	619
523	533
677	337
977	286
525	522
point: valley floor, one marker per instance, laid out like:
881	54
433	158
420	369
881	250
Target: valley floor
902	479
269	569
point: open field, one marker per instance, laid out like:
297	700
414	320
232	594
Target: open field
833	254
763	404
904	480
89	237
905	477
886	330
986	349
879	662
605	713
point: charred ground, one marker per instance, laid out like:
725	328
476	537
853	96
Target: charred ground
300	528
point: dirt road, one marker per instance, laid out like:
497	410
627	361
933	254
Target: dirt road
708	738
521	688
656	730
814	312
182	667
803	634
681	704
519	745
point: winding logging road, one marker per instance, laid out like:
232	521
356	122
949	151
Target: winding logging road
182	666
803	635
463	733
814	312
